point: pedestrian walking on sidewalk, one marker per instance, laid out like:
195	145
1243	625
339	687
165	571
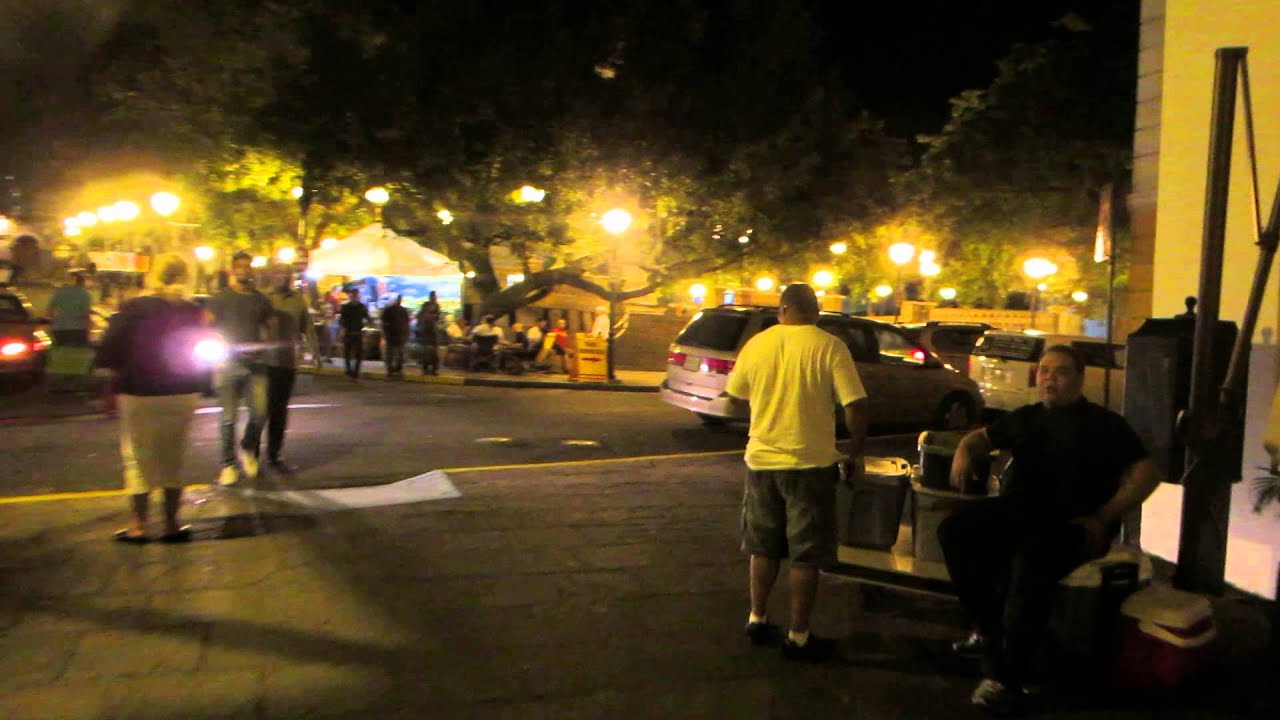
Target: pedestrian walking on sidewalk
791	374
247	322
395	333
292	325
351	321
153	348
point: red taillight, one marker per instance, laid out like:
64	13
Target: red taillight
919	355
719	367
675	358
13	348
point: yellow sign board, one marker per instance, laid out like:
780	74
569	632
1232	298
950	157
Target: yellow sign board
593	358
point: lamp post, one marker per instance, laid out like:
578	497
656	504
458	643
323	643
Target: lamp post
1037	269
900	254
615	222
379	197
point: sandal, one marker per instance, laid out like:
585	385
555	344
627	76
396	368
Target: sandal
126	536
181	535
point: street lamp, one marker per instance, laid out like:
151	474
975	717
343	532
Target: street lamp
296	192
445	216
839	248
1037	268
86	219
615	222
698	293
287	254
165	203
379	197
126	210
258	261
901	254
947	293
531	194
204	253
1080	296
764	284
823	279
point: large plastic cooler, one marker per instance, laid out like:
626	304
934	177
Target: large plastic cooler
870	507
1164	639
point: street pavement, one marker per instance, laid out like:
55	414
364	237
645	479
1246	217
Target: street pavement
565	581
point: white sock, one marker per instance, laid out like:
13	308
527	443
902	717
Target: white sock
800	639
754	618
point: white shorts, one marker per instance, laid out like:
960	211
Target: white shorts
153	439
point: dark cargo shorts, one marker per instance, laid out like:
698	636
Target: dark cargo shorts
791	514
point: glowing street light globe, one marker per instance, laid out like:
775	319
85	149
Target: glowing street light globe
901	253
883	291
377	195
165	203
1079	296
287	254
930	269
531	194
204	253
108	213
296	193
86	219
764	284
823	278
947	293
445	216
328	242
617	221
126	210
258	261
697	291
1039	268
839	248
928	257
744	239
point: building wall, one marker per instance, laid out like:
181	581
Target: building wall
1175	90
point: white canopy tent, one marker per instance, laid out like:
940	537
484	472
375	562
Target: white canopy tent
373	251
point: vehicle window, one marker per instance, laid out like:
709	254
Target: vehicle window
1097	354
856	338
768	321
714	331
955	340
1009	347
897	348
11	309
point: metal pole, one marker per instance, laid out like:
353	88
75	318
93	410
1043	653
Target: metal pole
613	308
1111	291
1206	497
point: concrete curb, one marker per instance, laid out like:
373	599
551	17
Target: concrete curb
513	382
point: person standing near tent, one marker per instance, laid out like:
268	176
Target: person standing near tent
395	332
428	323
293	323
351	321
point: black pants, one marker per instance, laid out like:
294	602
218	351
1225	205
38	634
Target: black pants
352	353
1005	564
395	357
71	338
279	391
430	359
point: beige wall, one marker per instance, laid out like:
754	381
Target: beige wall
1171	145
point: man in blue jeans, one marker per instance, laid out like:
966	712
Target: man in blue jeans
246	320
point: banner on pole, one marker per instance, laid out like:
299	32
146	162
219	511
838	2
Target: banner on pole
1102	238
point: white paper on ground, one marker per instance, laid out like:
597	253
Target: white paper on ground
434	485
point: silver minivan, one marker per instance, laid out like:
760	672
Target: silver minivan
1004	366
906	384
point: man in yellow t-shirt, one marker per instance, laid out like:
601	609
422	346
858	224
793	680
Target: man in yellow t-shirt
794	375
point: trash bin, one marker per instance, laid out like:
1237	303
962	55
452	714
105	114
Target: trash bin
929	508
871	506
936	450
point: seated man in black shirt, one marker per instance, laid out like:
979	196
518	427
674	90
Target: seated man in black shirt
1078	470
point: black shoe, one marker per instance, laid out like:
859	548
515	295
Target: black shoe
972	646
817	649
280	466
763	633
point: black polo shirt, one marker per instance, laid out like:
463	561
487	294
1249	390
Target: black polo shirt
1068	461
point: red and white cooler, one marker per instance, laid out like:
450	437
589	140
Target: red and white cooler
1164	639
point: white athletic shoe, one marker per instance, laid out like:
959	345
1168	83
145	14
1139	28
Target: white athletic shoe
249	463
229	476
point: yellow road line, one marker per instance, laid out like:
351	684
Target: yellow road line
92	494
82	495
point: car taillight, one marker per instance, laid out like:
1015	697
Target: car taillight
14	348
719	367
919	355
675	358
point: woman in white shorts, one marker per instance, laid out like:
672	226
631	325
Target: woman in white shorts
158	347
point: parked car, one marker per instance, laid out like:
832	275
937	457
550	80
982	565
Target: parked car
24	344
1003	363
951	341
906	384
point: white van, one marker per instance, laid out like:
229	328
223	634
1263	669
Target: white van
1003	363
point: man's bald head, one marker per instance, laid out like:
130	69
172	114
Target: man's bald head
799	305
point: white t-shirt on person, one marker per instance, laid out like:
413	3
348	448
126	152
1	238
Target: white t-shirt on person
795	377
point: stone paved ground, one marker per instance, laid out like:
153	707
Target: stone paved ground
608	590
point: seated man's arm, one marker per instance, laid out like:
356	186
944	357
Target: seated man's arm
975	445
855	420
1140	479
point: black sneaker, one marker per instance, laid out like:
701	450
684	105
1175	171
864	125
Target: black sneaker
763	633
972	646
817	649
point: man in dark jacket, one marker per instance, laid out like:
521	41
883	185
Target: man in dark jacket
352	318
395	333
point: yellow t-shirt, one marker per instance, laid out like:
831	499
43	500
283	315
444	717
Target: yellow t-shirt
795	376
